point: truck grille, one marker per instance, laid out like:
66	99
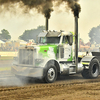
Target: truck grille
26	56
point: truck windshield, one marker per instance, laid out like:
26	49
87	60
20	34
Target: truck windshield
53	40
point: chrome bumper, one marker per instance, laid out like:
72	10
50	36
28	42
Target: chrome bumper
36	72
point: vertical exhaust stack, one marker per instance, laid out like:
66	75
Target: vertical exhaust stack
76	42
47	24
76	15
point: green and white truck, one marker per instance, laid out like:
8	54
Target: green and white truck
53	56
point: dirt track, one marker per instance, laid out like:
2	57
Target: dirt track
61	90
65	88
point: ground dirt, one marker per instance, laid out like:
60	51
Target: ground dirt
60	90
72	87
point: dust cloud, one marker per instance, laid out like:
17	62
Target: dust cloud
7	78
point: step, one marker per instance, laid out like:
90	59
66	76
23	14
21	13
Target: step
72	72
72	69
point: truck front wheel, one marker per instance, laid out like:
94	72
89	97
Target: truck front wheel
93	70
50	74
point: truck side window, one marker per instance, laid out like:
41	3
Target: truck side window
65	40
42	40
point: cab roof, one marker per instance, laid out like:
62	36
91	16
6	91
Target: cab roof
53	34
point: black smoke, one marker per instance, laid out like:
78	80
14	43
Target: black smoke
42	6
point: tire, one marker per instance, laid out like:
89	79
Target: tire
85	73
50	74
93	70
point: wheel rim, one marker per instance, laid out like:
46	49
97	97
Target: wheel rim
51	74
95	70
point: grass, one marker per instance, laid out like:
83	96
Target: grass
5	68
6	58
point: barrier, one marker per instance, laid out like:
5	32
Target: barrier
16	53
8	53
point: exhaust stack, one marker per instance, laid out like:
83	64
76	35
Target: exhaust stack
46	24
76	42
76	15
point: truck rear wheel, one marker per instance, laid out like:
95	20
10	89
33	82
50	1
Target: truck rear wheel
93	70
50	74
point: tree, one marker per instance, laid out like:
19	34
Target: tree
5	35
31	34
94	35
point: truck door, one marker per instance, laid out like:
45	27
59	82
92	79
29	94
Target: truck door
65	49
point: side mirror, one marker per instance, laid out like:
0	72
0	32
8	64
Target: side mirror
70	39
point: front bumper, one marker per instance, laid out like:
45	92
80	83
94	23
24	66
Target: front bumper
36	72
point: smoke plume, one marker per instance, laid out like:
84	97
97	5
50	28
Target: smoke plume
72	4
42	6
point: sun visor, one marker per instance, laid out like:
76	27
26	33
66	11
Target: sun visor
42	34
53	34
66	33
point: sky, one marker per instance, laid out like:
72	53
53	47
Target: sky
89	17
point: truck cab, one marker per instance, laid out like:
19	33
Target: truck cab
60	44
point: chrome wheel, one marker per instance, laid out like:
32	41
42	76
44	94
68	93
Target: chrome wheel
51	74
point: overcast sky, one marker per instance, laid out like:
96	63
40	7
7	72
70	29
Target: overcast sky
17	23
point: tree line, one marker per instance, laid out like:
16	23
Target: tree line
5	35
31	34
27	35
94	34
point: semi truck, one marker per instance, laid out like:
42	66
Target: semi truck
54	55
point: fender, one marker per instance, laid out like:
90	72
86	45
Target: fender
52	61
47	60
86	61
